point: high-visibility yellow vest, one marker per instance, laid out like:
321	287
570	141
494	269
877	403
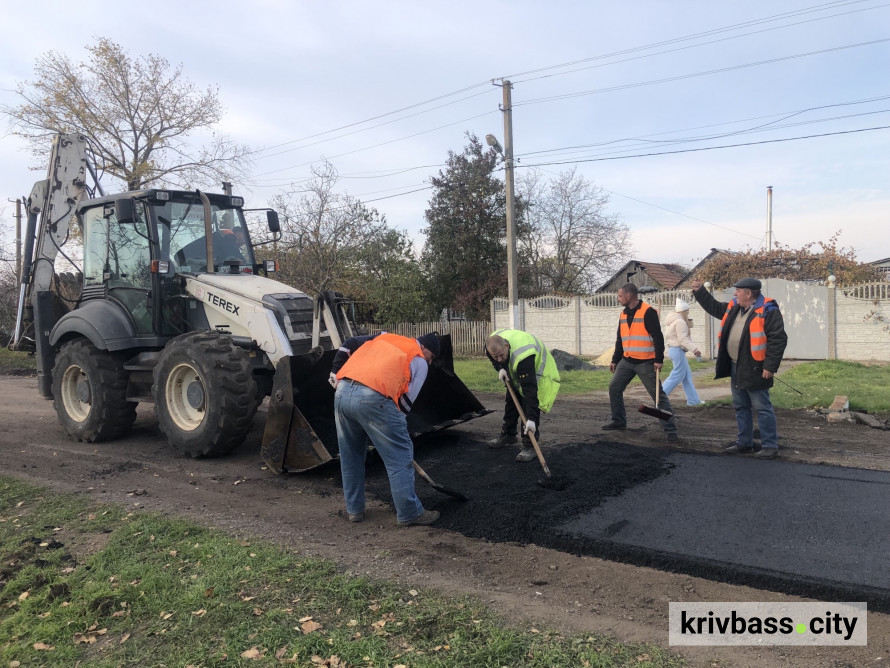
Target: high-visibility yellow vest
522	345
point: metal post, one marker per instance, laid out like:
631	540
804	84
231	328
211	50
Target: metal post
512	271
18	239
769	218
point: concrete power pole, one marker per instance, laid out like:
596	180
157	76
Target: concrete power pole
512	270
769	218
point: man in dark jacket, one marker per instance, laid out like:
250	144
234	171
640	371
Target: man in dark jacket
752	342
639	351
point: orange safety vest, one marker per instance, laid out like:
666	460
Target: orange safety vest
383	364
635	340
758	335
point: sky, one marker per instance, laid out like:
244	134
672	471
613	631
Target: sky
684	112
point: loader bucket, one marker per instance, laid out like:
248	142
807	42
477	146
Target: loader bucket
300	430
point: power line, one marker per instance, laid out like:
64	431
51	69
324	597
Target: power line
374	118
681	39
699	220
391	141
681	77
803	11
706	148
687	140
372	127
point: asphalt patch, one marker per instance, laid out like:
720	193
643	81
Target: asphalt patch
508	503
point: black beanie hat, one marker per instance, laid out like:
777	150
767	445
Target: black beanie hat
430	342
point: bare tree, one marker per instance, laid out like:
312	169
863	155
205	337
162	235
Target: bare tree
137	113
569	241
323	232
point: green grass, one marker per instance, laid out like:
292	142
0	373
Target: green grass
12	361
103	587
479	375
867	386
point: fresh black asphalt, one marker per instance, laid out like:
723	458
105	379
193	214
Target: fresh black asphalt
817	531
826	526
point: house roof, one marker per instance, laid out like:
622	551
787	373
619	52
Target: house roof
663	273
692	272
666	275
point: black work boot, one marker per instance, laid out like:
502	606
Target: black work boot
503	440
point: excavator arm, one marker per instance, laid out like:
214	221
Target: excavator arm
50	209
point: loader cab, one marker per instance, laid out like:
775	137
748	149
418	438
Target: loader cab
117	261
124	234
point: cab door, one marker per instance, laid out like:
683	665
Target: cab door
120	257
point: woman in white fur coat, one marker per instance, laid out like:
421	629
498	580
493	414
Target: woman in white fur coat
678	343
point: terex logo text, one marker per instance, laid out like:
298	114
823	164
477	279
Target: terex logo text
768	624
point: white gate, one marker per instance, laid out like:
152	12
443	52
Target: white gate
804	308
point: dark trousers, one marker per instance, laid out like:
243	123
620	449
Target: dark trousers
511	418
624	373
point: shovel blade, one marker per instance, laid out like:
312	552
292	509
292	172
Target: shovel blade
655	412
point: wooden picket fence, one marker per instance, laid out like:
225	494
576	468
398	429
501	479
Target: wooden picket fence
467	336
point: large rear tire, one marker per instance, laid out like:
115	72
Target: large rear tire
89	392
205	394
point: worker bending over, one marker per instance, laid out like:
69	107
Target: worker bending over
377	379
524	361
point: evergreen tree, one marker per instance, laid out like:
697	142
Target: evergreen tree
465	254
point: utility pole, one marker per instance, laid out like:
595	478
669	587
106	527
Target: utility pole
512	271
769	218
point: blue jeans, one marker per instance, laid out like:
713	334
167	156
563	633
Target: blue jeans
747	401
681	373
361	414
624	373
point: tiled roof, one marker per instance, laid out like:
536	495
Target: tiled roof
662	273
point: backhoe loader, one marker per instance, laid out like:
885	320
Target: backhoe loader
175	310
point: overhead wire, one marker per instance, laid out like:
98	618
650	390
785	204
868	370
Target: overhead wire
681	39
377	117
610	89
708	148
584	149
822	7
385	143
772	124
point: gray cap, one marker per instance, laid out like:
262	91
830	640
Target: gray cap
749	283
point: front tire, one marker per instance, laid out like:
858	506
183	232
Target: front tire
205	394
89	392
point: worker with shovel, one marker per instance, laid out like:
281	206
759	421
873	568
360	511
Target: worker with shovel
752	343
375	389
639	351
523	361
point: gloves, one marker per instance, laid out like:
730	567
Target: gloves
332	379
530	427
503	376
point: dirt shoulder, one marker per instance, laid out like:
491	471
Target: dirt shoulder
528	584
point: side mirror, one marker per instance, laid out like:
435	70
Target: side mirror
272	220
123	211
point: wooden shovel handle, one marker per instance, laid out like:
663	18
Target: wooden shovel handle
531	437
657	387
